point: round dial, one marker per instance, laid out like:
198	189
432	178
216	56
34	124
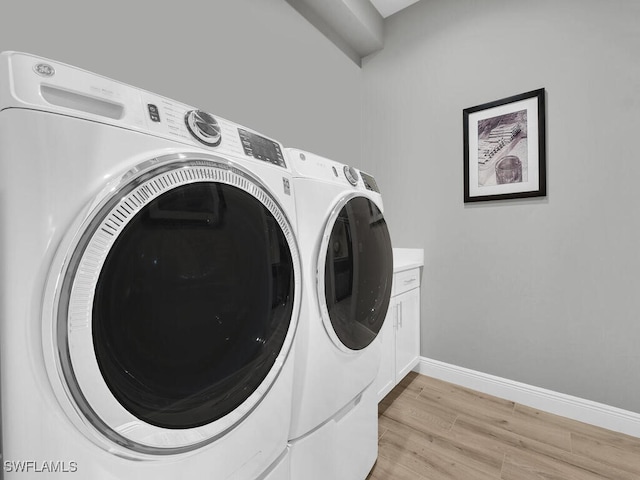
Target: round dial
351	174
204	127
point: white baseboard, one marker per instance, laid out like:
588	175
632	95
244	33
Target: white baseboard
575	408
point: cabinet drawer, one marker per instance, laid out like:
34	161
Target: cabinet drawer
405	281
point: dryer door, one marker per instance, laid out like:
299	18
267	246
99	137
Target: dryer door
177	304
355	270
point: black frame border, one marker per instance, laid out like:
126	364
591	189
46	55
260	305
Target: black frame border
541	191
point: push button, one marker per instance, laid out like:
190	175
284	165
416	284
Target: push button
154	114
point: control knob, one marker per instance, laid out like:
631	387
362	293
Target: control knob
351	174
204	127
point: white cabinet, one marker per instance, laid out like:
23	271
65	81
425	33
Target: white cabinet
386	379
407	332
400	334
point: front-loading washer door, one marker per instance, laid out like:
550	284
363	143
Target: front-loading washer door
178	305
355	271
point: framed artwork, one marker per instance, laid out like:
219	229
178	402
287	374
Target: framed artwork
504	148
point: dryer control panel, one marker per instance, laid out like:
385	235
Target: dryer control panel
309	165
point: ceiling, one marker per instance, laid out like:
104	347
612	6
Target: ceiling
389	7
354	26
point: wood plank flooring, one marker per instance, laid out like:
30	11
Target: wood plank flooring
433	430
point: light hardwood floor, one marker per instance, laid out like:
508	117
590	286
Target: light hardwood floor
433	430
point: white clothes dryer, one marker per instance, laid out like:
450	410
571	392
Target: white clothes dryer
347	268
150	284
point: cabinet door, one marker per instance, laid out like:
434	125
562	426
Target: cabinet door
386	379
407	332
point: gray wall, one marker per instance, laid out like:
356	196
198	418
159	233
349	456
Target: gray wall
256	62
545	291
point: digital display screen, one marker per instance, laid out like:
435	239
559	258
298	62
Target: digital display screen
369	182
261	148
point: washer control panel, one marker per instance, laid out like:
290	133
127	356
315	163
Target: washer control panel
351	175
369	182
42	84
204	127
186	124
261	148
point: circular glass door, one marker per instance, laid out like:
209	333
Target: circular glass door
178	307
357	262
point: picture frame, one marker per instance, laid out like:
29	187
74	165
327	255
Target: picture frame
505	148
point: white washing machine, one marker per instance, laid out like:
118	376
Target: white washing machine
347	272
150	284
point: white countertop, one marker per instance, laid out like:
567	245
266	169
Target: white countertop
407	258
